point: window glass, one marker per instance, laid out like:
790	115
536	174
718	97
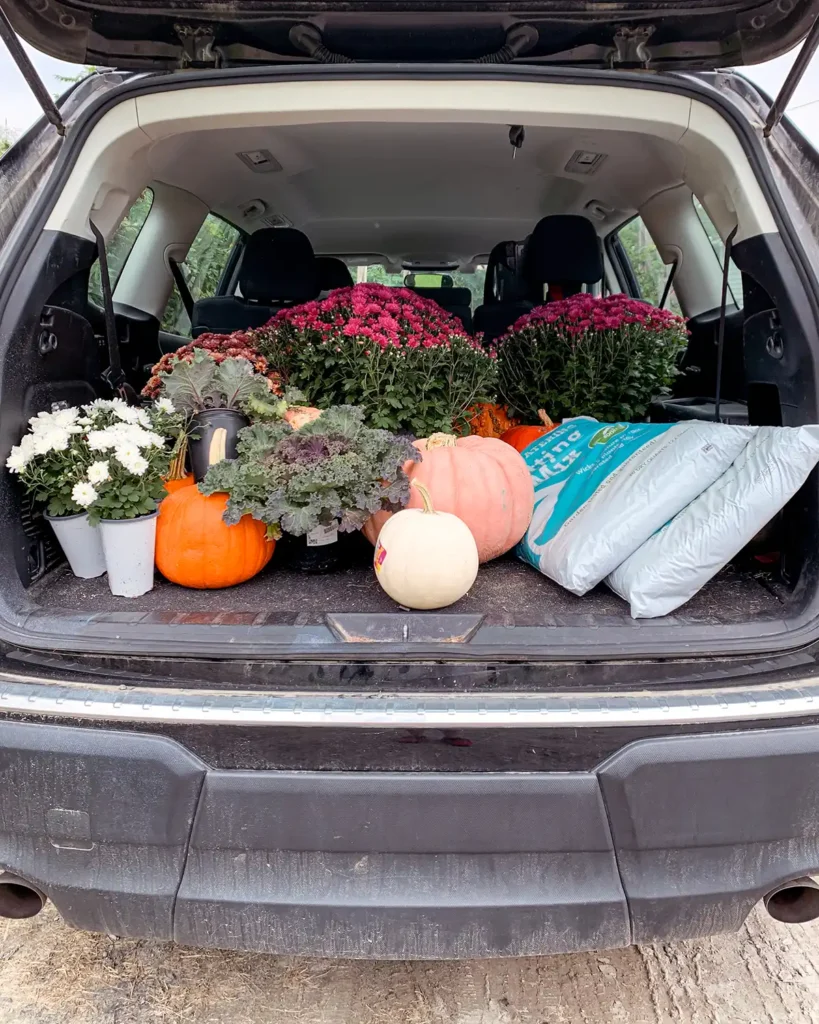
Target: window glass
649	270
119	246
376	273
717	244
203	269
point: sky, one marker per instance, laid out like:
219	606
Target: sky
18	108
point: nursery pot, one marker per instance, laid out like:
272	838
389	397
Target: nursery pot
214	435
322	550
129	546
81	543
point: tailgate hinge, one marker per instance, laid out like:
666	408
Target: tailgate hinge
630	46
197	47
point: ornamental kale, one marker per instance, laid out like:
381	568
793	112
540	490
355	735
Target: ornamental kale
400	357
202	383
588	356
239	345
334	469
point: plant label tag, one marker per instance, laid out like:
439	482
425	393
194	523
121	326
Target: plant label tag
380	555
322	535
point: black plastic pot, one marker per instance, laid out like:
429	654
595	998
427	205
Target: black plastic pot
349	549
214	435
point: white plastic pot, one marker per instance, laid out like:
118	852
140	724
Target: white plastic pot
81	543
129	546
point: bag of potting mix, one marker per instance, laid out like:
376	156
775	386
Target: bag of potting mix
602	489
670	567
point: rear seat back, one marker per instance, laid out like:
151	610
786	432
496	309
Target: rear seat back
457	301
278	269
504	294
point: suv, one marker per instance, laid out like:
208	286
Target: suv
297	765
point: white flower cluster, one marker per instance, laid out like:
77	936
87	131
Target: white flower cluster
48	432
125	439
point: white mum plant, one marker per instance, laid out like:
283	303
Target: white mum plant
107	458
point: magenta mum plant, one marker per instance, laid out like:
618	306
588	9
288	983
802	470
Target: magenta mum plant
401	358
588	356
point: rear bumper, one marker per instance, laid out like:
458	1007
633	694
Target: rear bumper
673	838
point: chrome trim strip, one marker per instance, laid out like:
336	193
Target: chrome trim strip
91	702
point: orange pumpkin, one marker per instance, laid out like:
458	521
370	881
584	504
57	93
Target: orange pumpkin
522	437
196	548
479	479
488	420
174	485
298	415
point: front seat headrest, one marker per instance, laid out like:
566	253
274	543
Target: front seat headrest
332	273
502	282
563	248
278	265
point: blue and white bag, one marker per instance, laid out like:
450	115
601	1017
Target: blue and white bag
671	566
602	489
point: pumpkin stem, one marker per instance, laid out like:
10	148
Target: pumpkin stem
176	468
440	441
425	497
544	418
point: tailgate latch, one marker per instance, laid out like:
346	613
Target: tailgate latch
630	46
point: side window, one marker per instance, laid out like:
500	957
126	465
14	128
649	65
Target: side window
717	244
119	246
203	269
646	263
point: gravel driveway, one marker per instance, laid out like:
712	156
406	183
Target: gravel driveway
49	974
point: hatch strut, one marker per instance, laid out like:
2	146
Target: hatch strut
20	58
794	77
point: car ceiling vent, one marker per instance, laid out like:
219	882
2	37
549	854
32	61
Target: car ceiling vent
584	161
260	161
277	220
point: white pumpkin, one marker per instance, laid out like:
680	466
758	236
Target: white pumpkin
425	559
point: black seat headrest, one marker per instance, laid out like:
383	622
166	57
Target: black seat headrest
332	273
278	265
503	282
563	248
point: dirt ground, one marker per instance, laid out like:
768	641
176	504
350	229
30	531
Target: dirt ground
49	974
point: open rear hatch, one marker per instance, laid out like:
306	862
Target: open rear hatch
132	34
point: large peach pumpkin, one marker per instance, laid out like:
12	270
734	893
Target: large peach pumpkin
196	548
479	479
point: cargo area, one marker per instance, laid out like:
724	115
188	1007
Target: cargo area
507	593
445	202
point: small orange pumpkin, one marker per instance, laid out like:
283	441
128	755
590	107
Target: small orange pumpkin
175	485
196	548
489	420
299	415
522	437
479	479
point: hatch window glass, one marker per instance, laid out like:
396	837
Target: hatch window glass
203	269
119	246
717	244
646	264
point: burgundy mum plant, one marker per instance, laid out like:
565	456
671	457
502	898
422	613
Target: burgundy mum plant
401	358
588	356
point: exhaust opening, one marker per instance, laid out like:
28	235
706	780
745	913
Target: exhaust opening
795	902
18	898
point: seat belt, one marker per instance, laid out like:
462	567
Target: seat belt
182	287
726	266
114	376
668	282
